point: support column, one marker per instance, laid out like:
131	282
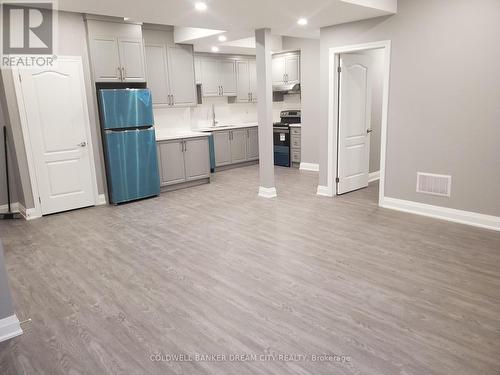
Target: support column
267	187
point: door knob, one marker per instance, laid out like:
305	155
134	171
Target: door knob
368	131
82	144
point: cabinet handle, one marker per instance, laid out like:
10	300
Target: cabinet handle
230	135
222	90
172	99
120	73
124	73
185	146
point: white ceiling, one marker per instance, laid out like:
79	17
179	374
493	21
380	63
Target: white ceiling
238	17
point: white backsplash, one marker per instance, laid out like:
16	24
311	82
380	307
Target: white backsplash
192	118
237	113
172	119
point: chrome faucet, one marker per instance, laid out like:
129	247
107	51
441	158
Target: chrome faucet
213	116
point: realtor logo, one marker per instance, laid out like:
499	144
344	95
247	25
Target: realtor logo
27	32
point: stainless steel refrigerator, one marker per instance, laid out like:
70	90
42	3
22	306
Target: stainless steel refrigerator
129	144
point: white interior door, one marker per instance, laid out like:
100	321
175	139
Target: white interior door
57	120
354	123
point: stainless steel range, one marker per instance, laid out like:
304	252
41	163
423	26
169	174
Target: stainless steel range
281	137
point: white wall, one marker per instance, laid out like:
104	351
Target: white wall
72	42
444	98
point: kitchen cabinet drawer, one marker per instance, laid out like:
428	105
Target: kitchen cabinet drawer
295	141
295	156
295	131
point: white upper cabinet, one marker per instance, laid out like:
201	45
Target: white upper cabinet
246	80
218	76
278	70
170	70
252	70
292	66
181	75
243	81
227	77
210	83
197	70
286	69
106	59
116	51
157	78
132	59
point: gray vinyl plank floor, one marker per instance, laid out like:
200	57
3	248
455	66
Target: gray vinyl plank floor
213	272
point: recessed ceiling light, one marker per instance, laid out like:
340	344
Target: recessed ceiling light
222	38
215	49
302	21
200	6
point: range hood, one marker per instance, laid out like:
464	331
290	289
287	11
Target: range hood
292	88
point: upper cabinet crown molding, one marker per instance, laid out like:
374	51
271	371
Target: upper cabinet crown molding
116	51
98	17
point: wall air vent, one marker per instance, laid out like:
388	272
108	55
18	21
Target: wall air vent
434	184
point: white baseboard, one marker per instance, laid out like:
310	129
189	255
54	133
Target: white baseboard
267	192
13	206
29	213
309	167
9	328
324	191
101	200
444	213
374	176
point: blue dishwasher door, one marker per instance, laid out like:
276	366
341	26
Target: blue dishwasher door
132	164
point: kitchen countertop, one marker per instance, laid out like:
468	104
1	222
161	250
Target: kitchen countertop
224	126
167	135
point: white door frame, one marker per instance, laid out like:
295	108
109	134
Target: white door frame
333	110
36	212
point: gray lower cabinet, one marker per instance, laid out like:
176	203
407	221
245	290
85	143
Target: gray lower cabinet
183	160
222	147
236	146
252	143
196	158
295	146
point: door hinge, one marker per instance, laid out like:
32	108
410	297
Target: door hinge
20	79
40	200
339	69
337	180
